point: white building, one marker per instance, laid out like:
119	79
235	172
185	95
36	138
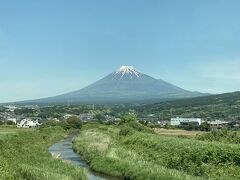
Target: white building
86	117
25	123
21	123
31	124
11	108
66	116
177	121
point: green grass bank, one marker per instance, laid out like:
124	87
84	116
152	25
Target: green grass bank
24	155
133	152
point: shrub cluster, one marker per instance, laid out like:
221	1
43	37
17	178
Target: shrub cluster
231	137
71	122
134	153
189	155
102	148
133	126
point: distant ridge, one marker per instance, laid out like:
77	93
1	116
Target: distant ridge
225	98
125	85
212	107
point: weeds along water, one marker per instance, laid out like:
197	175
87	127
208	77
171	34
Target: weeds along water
133	152
128	151
63	150
24	155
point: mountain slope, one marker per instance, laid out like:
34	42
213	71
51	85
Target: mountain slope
222	106
124	85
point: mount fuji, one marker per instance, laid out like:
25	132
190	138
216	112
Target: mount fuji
126	85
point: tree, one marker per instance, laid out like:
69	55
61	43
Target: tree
10	123
190	127
74	122
100	117
145	123
128	118
204	127
53	123
57	115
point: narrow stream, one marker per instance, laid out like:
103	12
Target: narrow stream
64	150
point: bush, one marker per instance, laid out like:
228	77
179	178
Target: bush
168	126
139	127
204	127
71	122
10	123
128	118
53	123
100	118
126	130
192	156
74	122
221	136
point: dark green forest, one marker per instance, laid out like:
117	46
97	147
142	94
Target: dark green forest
223	107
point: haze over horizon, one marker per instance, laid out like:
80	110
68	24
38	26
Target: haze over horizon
52	47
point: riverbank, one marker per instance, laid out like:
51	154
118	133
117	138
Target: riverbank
63	150
24	155
136	153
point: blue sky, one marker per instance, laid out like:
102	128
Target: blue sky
50	47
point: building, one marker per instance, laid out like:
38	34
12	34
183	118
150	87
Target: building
215	125
86	117
21	123
27	123
11	108
112	119
177	121
235	124
66	116
149	119
162	123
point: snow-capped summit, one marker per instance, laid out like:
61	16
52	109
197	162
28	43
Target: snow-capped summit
127	71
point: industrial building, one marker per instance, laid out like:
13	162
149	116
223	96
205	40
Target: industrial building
177	121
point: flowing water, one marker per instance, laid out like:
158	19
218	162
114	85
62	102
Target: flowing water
64	150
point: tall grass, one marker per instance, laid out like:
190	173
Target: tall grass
206	159
102	148
24	155
224	136
135	154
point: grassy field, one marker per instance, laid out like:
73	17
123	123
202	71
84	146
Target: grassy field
134	153
24	155
6	130
177	132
